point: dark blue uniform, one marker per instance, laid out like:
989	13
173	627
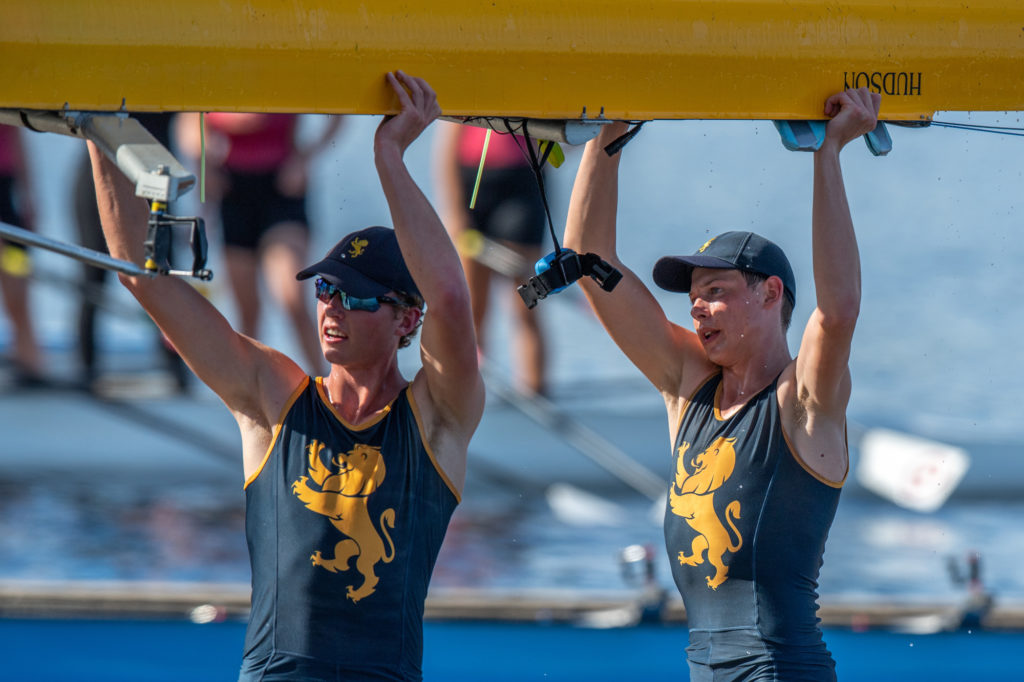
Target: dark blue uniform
745	529
344	525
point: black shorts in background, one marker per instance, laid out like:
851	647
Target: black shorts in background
508	204
253	205
8	210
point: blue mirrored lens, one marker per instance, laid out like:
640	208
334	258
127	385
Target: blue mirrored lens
325	291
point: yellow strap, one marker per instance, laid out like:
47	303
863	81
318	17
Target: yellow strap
15	261
480	169
202	159
557	157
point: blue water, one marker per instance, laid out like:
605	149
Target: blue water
127	651
935	355
505	541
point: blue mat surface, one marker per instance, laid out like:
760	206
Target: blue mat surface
158	651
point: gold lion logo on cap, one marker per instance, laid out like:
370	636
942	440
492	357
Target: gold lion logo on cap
706	245
357	247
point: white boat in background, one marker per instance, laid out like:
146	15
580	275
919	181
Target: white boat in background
913	472
589	434
910	470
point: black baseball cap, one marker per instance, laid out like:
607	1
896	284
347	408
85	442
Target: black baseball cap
365	264
744	251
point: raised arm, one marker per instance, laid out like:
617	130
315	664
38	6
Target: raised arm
822	366
251	379
449	387
636	322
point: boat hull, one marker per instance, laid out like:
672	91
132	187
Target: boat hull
661	59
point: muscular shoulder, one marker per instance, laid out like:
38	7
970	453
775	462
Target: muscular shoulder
274	380
447	434
817	436
257	418
695	375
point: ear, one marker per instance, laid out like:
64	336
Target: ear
409	319
772	290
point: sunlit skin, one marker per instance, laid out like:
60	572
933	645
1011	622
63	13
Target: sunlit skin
732	319
357	337
257	382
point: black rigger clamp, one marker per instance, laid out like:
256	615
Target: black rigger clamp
559	269
159	238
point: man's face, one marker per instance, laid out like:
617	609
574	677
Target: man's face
354	337
726	312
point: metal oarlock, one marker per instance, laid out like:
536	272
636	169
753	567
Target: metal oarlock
158	177
158	243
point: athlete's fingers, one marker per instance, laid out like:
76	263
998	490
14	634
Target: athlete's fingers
408	83
866	105
400	91
423	88
870	101
860	97
876	102
423	96
415	88
415	94
834	104
853	113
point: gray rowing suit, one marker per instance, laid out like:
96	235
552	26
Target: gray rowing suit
745	528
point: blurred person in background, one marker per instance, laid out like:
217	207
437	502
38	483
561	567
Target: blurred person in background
17	208
508	210
257	174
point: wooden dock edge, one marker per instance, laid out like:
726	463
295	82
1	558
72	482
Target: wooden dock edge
205	602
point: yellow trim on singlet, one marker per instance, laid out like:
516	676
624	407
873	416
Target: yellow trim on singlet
814	474
785	436
426	445
715	399
686	406
718	398
277	429
351	427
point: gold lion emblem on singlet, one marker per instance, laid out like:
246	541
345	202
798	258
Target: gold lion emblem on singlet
342	497
357	247
692	497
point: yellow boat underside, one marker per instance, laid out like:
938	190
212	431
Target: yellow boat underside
651	59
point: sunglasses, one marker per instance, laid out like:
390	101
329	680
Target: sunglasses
325	291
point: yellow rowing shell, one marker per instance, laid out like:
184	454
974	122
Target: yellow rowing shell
633	59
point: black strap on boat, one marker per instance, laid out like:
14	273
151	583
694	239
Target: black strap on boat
974	127
537	166
26	123
561	267
616	145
